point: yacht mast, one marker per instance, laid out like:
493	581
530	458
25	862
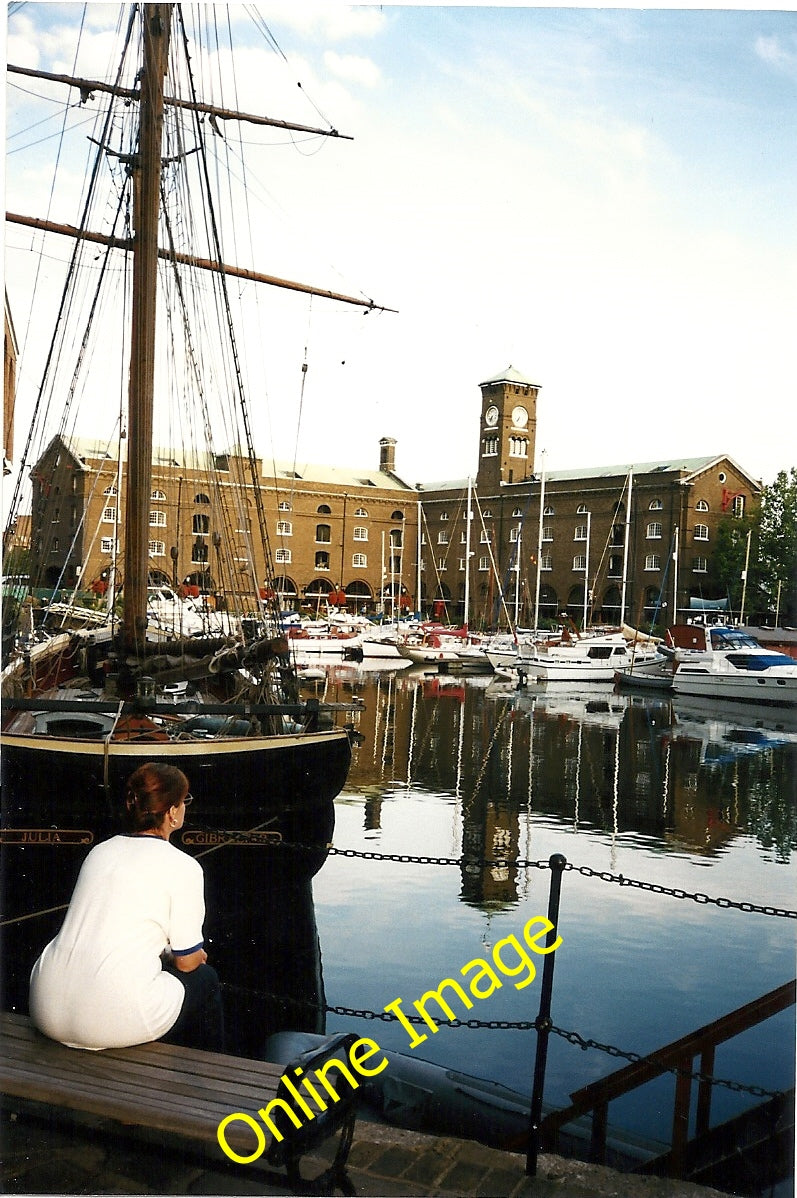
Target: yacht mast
146	206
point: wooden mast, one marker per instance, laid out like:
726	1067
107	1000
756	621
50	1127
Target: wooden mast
146	207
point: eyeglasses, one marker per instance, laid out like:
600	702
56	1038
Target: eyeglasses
188	800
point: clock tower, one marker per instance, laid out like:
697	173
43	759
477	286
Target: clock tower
508	430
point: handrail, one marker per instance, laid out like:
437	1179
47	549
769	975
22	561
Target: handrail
677	1056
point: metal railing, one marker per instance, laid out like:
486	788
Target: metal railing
678	1057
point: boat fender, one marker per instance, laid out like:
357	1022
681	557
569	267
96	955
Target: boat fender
422	1096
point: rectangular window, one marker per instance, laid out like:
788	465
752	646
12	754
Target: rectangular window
284	528
157	549
700	566
461	566
547	532
738	506
653	562
442	538
484	563
546	562
580	533
654	531
106	545
360	533
442	564
109	515
283	556
701	532
580	561
157	519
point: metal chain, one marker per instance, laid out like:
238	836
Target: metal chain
636	1058
520	1025
584	870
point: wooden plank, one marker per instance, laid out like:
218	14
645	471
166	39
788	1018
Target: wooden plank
162	1087
155	1081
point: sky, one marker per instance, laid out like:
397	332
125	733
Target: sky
602	198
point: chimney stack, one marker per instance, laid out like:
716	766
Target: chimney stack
387	455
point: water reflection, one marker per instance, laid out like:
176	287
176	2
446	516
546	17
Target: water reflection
683	778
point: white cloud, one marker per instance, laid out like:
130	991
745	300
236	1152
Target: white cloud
325	18
353	68
772	51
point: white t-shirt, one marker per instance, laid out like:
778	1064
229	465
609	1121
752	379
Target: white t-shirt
99	983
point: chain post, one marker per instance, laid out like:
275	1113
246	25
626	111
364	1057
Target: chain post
557	863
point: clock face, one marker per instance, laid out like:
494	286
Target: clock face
491	415
520	417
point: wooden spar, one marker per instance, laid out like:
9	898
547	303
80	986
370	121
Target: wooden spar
146	172
87	86
238	272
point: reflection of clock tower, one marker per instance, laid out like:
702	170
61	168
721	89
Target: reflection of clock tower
508	430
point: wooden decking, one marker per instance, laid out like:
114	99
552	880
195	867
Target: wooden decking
158	1087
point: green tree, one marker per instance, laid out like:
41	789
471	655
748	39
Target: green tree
728	555
776	548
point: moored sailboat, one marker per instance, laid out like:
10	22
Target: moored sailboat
83	708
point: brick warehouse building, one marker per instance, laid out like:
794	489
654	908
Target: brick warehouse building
337	529
659	539
331	529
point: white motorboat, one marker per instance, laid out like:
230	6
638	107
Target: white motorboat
722	662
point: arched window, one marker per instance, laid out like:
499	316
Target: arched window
547	532
396	538
654	531
323	534
360	532
284	528
444	515
158	494
582	509
324	509
701	532
200	525
201	498
284	505
700	566
653	562
488	515
546	562
361	512
548	510
157	549
359	560
580	562
580	533
397	515
110	490
516	513
655	505
283	556
701	506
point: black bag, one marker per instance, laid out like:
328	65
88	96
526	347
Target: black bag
297	1141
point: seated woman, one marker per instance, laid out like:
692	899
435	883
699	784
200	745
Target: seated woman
128	965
